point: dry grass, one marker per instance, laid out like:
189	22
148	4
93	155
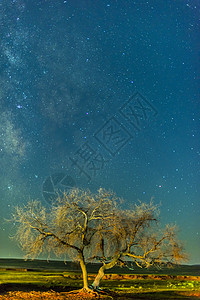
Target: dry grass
51	295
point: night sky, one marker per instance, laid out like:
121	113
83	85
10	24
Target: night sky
101	94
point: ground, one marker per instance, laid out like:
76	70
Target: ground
15	284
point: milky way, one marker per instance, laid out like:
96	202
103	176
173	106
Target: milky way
101	94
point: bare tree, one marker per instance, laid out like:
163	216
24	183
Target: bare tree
68	227
88	226
135	236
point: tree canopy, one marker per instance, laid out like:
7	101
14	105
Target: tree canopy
93	227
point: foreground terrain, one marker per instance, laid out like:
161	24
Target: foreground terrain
20	284
40	279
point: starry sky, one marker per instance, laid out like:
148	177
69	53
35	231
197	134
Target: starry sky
101	94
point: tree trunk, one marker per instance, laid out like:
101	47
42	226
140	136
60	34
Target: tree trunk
84	271
101	272
99	276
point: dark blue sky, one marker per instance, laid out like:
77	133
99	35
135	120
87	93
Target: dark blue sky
101	93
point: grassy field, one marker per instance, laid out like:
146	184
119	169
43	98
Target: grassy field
20	284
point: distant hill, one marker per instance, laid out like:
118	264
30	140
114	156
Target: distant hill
55	265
